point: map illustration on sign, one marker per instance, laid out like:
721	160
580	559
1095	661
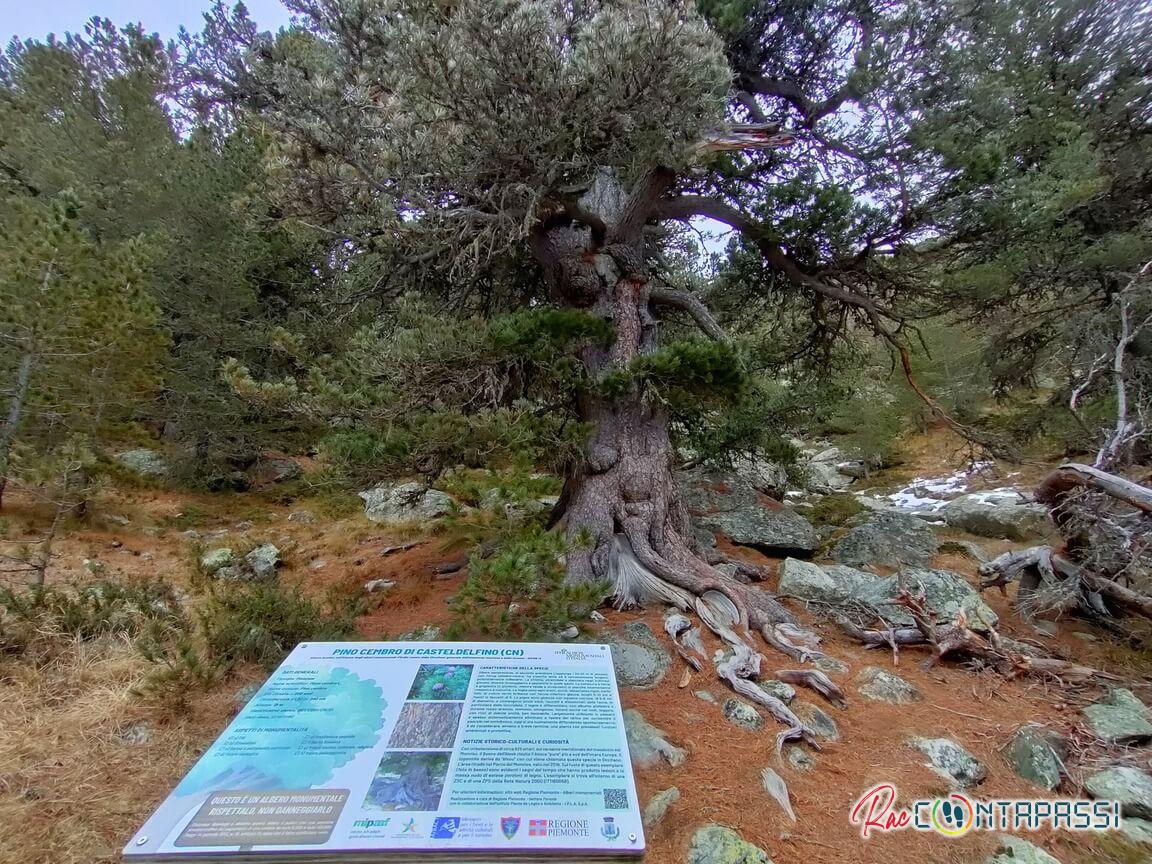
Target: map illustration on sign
411	748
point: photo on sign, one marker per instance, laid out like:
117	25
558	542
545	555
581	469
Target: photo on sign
426	725
441	682
408	781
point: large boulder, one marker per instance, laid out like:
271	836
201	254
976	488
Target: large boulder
1130	786
144	462
880	685
824	477
946	593
951	761
887	538
740	713
1119	718
404	502
262	561
658	805
770	478
1002	515
648	745
1033	757
640	659
732	505
1016	850
715	844
272	468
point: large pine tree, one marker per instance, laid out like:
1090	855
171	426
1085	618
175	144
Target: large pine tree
531	153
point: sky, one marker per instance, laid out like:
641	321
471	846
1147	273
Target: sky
35	19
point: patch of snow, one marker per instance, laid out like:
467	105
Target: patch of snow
930	494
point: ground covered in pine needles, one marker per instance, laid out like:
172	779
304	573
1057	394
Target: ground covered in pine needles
86	750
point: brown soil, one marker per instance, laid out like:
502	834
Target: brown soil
72	789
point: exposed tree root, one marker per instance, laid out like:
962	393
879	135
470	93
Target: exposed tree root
816	680
955	637
744	664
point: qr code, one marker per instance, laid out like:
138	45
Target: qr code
615	799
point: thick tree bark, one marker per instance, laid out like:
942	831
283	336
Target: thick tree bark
624	515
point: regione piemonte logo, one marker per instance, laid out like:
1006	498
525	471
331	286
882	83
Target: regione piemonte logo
558	828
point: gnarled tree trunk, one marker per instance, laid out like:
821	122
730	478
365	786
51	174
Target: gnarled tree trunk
624	515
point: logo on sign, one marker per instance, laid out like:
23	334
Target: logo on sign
445	827
610	829
510	825
558	828
409	827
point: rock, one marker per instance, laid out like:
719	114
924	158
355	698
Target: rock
857	469
569	633
890	539
405	502
880	685
214	560
318	564
496	501
303	517
640	659
139	732
824	477
831	665
715	844
799	758
1014	850
781	690
726	503
272	468
144	462
946	593
117	520
1136	830
1119	718
658	805
964	547
824	452
705	696
770	478
244	695
244	526
647	744
817	720
740	713
1130	786
374	585
262	561
950	760
424	633
596	617
1085	637
999	515
1033	757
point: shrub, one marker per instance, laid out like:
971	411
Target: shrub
85	612
262	622
519	592
835	509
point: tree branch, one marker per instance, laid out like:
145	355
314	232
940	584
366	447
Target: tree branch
641	202
686	206
686	302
